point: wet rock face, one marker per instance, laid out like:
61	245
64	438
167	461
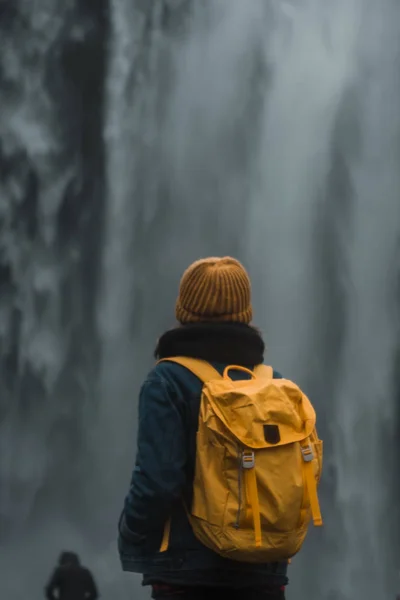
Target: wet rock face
52	70
53	83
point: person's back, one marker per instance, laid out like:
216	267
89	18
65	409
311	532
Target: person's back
214	312
71	581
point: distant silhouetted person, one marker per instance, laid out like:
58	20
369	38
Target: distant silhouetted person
71	581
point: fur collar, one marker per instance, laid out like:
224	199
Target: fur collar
230	343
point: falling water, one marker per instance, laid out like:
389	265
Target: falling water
267	129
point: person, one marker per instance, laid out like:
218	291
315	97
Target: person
70	580
214	314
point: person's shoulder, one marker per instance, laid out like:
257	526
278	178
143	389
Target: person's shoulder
171	373
165	367
168	381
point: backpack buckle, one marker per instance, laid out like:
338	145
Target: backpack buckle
248	459
307	452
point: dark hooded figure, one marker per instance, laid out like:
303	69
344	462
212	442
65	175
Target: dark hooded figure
70	580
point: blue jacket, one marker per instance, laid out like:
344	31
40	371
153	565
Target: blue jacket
168	416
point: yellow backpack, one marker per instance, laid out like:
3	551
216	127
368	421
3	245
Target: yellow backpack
258	463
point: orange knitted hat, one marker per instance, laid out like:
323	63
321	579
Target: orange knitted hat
214	289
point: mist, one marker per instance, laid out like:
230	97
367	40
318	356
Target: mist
137	136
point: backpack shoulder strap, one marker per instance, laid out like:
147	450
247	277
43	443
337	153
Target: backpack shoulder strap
202	369
264	371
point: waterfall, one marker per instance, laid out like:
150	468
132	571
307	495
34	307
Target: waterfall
339	59
51	192
136	136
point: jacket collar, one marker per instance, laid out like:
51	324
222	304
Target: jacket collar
228	343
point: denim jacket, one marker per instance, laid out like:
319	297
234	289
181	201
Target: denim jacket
169	405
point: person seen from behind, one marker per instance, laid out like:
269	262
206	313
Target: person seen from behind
70	580
228	458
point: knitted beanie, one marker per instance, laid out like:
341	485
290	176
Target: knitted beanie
214	289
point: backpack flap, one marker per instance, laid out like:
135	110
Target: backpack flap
261	413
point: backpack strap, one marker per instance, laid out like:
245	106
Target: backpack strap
205	372
264	371
166	535
308	455
202	369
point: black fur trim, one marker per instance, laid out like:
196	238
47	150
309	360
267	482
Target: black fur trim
231	343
